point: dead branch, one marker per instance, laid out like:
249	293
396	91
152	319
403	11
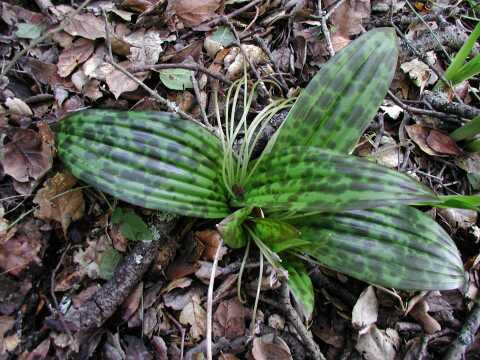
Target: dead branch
466	335
440	102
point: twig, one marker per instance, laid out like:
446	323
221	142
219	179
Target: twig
222	18
198	95
160	99
193	67
265	48
210	301
419	111
325	30
466	335
54	298
441	103
46	35
294	318
182	333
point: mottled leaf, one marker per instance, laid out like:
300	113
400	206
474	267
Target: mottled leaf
301	286
231	228
306	179
341	100
396	247
154	160
277	235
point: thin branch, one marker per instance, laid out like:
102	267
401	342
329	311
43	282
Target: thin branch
325	29
265	48
198	95
46	35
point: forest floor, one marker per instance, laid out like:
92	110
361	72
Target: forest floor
59	246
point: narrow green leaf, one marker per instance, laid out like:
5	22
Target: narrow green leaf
473	146
301	286
462	55
231	229
176	79
307	179
467	131
342	99
131	225
396	247
467	71
471	202
154	160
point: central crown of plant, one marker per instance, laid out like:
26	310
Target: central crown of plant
304	195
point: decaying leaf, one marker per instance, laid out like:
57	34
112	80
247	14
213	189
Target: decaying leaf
365	311
57	203
211	239
431	141
22	249
254	53
71	57
459	218
269	347
378	344
26	156
420	73
18	107
87	26
194	315
119	83
229	319
193	12
348	19
145	46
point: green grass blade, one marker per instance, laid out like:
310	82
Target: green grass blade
307	179
468	131
154	160
473	146
301	286
467	71
397	247
462	55
342	99
470	202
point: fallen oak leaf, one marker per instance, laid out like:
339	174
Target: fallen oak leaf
57	203
270	346
442	143
194	315
86	26
193	12
26	156
229	319
71	57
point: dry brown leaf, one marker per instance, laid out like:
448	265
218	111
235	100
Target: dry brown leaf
26	156
269	347
22	249
459	218
145	46
18	107
118	83
211	239
87	26
347	19
194	315
378	344
56	203
420	73
73	56
229	319
181	283
132	302
419	135
254	53
205	271
41	351
140	5
420	313
442	143
193	12
365	311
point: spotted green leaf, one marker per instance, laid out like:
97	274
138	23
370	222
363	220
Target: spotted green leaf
341	100
396	247
154	160
308	179
231	229
277	235
300	286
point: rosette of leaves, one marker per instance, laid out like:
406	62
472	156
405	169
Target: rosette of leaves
303	196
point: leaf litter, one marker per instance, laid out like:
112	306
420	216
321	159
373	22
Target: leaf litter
165	314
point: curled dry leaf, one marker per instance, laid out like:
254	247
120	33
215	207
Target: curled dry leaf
193	12
140	5
71	57
420	313
431	141
229	319
347	19
26	156
269	347
211	239
57	203
378	344
194	315
459	218
365	311
18	107
420	73
86	26
22	249
119	83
